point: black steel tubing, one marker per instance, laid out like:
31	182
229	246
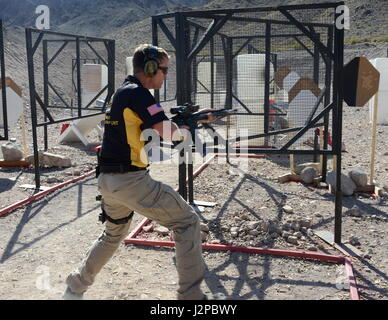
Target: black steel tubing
337	124
31	77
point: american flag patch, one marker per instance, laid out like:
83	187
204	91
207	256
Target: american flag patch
154	109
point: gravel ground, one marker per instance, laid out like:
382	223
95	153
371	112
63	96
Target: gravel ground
43	241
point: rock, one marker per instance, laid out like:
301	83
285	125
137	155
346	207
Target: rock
368	254
295	226
11	152
204	236
305	223
162	230
359	178
288	209
148	228
253	225
264	225
234	234
286	227
53	160
310	232
322	185
292	239
76	173
50	160
355	212
204	227
286	234
347	184
52	179
253	232
312	249
308	174
353	240
303	230
274	235
234	229
274	228
299	168
298	234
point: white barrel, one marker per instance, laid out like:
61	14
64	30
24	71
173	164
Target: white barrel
94	79
128	66
14	102
250	89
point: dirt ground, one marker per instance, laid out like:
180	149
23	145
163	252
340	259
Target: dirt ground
43	241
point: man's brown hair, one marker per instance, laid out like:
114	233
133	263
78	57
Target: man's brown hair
139	56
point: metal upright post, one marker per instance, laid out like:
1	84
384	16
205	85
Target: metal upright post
180	91
212	73
45	89
267	80
31	78
111	70
182	173
228	53
337	124
328	82
229	73
316	80
190	178
155	43
79	90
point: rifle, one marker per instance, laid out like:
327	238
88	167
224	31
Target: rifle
188	115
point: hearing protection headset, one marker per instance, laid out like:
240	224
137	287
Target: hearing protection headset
151	62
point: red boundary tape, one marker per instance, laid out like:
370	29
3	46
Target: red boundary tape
43	193
131	239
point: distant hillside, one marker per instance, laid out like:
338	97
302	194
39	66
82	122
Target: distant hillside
89	17
129	23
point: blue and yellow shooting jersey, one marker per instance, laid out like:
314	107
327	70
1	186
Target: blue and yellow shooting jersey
133	110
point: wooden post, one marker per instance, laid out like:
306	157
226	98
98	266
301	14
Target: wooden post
373	145
292	163
24	136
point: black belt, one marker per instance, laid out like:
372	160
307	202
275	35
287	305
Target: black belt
118	168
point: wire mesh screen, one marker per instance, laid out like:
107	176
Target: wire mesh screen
3	102
167	92
67	88
268	63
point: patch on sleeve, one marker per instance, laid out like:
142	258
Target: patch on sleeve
154	109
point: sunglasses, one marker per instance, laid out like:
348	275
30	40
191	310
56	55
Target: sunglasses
164	69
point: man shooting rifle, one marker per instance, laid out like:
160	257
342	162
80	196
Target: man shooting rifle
126	186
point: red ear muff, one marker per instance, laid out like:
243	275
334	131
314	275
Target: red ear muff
151	62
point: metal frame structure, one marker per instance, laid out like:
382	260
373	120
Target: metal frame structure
331	96
4	134
44	103
135	238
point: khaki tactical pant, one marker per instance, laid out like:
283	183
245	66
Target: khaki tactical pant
137	191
